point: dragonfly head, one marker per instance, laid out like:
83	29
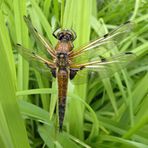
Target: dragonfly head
64	35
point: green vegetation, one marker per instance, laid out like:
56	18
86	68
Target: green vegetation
112	112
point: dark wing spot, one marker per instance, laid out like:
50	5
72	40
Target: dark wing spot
53	71
127	22
33	53
128	52
73	73
102	59
35	30
105	35
18	44
82	67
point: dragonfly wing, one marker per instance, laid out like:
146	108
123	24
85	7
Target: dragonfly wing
108	66
103	68
40	63
101	45
39	38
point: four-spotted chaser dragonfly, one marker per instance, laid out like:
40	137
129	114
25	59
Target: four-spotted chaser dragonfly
64	62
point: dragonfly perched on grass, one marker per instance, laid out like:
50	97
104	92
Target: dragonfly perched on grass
64	62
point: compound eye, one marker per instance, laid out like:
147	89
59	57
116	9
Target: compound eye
70	36
60	36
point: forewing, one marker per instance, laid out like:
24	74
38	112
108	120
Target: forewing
101	45
39	38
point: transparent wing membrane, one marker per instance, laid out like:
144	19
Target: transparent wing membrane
42	64
104	68
39	38
102	45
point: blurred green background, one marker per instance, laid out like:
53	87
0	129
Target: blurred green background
108	113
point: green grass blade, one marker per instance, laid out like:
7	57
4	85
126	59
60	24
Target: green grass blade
11	122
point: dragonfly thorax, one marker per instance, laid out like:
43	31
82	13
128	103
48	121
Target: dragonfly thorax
62	59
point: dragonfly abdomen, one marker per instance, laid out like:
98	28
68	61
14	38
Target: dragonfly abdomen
62	93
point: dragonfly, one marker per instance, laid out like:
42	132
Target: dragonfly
63	61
